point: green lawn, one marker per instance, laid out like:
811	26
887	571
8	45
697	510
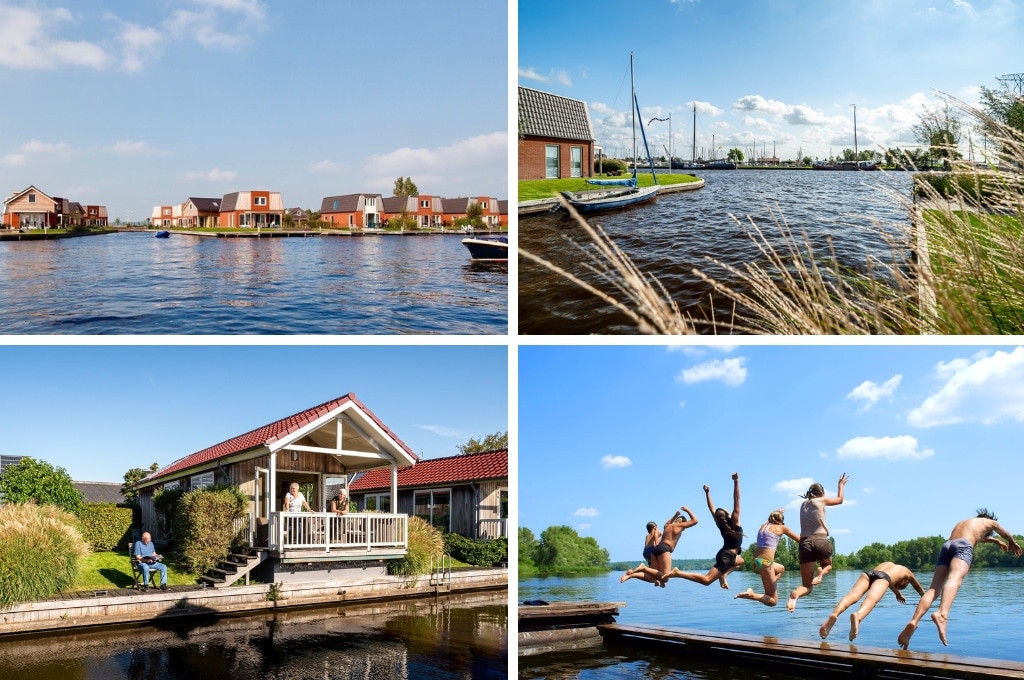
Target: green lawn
532	189
104	570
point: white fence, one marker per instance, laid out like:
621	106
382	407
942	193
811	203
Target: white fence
492	528
327	531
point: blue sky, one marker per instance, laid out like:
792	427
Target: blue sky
613	437
782	71
132	104
98	411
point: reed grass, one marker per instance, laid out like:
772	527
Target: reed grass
40	552
424	542
965	274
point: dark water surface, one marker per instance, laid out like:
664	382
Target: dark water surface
451	637
134	283
987	619
678	232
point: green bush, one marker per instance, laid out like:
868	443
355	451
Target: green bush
40	552
610	165
478	552
105	526
38	481
203	526
424	542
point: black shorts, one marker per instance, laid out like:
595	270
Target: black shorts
815	548
660	549
725	560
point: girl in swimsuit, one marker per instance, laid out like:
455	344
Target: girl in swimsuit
815	548
764	558
652	540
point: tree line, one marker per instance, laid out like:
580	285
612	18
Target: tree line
560	549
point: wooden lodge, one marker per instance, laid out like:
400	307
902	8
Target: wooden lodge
320	448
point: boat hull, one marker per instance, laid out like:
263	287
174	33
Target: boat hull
493	249
598	201
163	234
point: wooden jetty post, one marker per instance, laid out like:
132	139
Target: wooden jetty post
563	626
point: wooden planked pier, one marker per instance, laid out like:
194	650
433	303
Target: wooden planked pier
808	659
563	626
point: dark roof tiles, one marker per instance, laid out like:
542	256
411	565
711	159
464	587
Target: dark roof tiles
542	114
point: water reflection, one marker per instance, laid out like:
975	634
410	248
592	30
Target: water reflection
454	637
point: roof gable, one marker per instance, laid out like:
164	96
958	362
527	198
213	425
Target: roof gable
206	204
542	114
463	468
31	188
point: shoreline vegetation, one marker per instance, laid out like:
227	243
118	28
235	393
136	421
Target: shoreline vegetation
957	269
535	189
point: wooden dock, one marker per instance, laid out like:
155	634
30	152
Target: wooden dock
801	658
563	626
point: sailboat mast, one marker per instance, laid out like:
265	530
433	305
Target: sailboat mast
855	151
632	108
693	153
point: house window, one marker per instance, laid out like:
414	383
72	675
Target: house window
551	162
167	211
435	508
350	220
261	200
202	481
371	201
424	204
335	205
378	502
31	198
503	503
576	161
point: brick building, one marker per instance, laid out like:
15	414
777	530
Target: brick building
556	139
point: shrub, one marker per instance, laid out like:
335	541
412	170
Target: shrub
105	526
203	525
478	552
40	552
610	165
37	480
424	542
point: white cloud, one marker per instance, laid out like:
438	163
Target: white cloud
554	75
870	392
244	19
704	108
585	512
13	160
789	486
325	166
35	146
443	431
215	175
138	43
888	448
461	164
755	122
730	371
700	350
129	147
987	388
28	40
801	114
755	102
615	462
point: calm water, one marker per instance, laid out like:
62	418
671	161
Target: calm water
457	637
678	232
987	619
134	283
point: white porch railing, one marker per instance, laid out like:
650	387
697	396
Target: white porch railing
492	528
327	531
242	525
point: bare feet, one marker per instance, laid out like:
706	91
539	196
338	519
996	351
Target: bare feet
629	572
747	594
791	604
722	582
904	639
854	626
826	628
940	623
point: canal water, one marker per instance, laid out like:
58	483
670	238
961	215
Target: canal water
463	636
987	619
860	211
132	283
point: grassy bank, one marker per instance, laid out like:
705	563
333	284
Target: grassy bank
108	570
533	189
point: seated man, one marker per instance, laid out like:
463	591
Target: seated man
147	557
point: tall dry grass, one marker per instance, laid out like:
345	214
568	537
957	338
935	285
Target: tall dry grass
957	269
40	552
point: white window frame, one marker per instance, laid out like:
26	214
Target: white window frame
202	480
502	490
172	485
378	502
424	204
573	171
558	161
260	200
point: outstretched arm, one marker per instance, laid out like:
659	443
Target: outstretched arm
690	522
1011	544
917	584
707	494
838	500
792	534
735	498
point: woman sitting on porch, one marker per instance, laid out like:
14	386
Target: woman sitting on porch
339	505
294	501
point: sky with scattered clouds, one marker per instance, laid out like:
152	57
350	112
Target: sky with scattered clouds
763	73
132	105
124	407
613	437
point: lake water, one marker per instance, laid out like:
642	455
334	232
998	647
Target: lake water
987	618
134	283
462	636
677	232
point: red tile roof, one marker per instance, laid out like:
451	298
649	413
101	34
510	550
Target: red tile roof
269	434
470	467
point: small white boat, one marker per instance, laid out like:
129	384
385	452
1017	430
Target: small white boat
487	248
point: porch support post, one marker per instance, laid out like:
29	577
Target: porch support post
394	486
273	482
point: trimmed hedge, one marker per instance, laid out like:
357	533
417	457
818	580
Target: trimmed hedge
203	526
478	552
105	526
40	552
424	542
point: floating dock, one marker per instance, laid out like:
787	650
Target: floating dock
563	626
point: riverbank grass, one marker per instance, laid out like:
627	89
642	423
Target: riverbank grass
534	189
109	570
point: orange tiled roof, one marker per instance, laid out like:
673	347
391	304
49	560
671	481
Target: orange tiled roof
470	467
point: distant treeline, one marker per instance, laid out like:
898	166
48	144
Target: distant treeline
685	565
560	550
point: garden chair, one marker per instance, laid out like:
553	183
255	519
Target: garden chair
137	570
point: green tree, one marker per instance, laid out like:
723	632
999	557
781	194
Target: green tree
941	129
133	477
475	214
561	549
734	155
490	442
527	545
37	480
1004	106
404	186
806	160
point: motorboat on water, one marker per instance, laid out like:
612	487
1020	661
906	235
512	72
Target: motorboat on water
487	248
163	233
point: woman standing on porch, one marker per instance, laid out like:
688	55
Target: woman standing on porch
339	505
294	501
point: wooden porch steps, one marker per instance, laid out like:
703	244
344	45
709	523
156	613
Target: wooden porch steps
232	568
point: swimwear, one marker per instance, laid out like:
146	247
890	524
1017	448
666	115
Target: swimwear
733	537
767	539
762	562
874	574
647	554
815	548
957	547
660	549
725	560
